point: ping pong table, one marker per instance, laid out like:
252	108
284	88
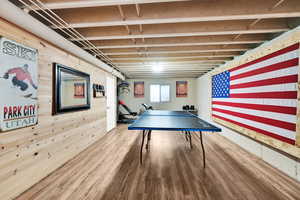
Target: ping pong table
165	120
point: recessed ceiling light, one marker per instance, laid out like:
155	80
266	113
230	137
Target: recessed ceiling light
156	67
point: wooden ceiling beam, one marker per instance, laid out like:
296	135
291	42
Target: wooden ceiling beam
166	35
158	76
174	55
225	57
185	29
167	73
194	39
171	67
183	48
174	52
166	76
124	62
178	44
171	62
99	3
167	69
174	65
172	12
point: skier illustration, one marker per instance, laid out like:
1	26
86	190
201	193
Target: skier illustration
20	75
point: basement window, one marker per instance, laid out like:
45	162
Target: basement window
159	93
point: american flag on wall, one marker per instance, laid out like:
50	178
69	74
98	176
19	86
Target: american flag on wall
260	95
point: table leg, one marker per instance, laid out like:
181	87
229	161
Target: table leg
190	138
203	150
141	152
148	139
186	135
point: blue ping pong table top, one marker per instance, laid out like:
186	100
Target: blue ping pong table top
175	121
167	113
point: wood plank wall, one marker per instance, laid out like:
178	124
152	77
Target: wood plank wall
27	155
276	44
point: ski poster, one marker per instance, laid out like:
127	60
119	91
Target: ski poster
18	85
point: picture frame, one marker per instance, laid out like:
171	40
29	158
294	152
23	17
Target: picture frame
181	89
71	89
98	90
19	85
139	89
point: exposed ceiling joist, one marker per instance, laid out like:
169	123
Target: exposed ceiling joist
193	39
166	75
169	73
165	70
185	38
99	3
184	30
258	31
169	68
192	59
178	44
170	58
173	13
159	76
173	62
172	55
173	65
170	52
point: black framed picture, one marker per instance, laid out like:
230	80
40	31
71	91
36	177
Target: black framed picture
71	89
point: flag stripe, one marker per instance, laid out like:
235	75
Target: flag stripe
276	53
273	122
272	74
271	61
283	132
266	88
271	81
267	114
263	107
273	102
271	95
274	135
273	67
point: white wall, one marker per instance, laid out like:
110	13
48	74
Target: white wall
176	103
276	159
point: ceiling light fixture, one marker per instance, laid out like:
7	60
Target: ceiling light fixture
157	67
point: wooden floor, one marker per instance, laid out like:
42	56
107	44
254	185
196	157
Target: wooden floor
110	170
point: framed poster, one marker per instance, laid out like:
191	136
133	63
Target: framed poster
79	90
18	85
139	91
181	88
71	89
